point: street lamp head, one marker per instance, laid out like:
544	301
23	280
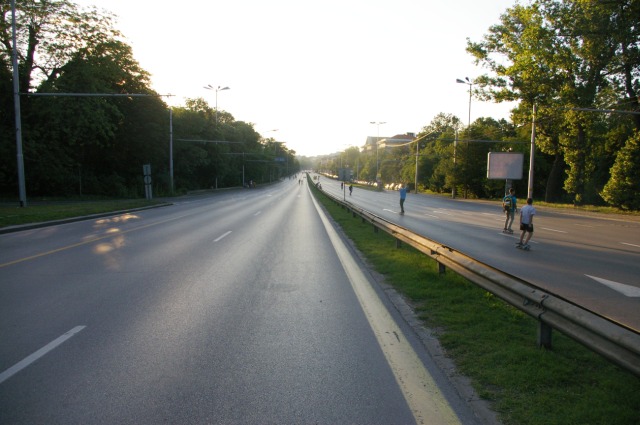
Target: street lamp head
210	87
458	80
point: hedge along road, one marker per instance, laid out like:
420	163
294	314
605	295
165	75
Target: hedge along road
592	260
243	307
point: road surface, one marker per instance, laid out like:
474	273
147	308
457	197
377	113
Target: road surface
592	260
244	307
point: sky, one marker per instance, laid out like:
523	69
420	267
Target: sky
317	71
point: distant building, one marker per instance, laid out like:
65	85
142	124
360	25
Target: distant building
370	144
396	141
385	143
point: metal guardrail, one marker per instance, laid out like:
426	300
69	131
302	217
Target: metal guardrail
618	343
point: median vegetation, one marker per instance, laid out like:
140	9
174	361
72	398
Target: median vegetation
39	211
494	344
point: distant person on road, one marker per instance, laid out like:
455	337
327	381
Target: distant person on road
526	224
403	197
509	205
350	189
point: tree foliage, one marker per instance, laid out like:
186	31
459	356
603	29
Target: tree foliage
89	138
622	188
567	56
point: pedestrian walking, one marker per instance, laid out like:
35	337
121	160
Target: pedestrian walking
350	189
403	197
526	224
509	205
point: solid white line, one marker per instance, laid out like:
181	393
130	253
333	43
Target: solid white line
257	214
431	215
554	230
630	244
222	236
40	353
426	401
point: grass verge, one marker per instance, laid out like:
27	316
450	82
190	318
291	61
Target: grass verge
494	344
36	213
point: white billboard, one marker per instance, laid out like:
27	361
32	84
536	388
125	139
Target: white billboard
505	165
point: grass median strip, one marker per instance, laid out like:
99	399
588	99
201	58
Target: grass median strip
11	215
495	344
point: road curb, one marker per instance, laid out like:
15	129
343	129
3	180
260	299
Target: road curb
30	226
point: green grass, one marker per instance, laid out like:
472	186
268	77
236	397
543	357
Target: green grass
589	208
15	215
494	344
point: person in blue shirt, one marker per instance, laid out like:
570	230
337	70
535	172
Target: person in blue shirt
403	196
509	205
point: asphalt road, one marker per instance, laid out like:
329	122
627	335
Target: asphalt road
592	260
240	308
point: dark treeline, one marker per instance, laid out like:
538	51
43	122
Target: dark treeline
97	145
576	61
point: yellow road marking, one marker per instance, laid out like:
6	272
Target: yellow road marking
88	241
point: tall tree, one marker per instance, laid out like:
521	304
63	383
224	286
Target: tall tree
50	33
437	165
561	55
622	188
99	138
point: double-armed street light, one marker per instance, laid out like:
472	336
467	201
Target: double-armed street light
470	84
217	89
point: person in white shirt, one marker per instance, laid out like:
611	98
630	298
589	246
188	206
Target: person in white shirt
526	224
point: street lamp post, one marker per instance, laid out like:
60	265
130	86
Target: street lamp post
532	152
217	89
22	191
470	84
455	148
377	123
171	187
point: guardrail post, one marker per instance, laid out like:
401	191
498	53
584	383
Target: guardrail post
544	335
398	243
375	229
441	268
